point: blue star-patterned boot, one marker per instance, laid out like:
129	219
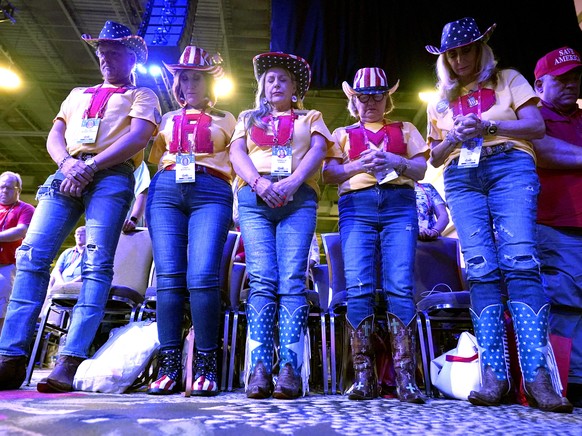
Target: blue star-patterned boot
292	331
492	340
260	347
536	359
403	342
365	386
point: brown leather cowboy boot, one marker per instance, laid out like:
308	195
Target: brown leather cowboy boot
365	386
403	342
260	385
491	336
536	358
288	384
61	377
12	372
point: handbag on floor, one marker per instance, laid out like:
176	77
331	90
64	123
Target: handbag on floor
456	373
117	365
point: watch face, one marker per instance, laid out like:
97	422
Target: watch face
492	130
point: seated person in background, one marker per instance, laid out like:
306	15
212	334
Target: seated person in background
68	266
135	217
433	217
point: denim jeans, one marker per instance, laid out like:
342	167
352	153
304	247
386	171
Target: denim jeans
384	215
188	223
560	251
494	209
105	203
277	242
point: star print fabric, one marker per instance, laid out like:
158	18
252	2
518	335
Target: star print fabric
491	339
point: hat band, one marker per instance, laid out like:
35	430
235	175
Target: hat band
371	89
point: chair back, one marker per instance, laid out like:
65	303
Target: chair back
332	248
228	253
437	263
133	261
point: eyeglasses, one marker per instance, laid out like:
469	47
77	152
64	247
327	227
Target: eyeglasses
365	98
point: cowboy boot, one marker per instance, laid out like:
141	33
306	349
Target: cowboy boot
12	372
260	347
403	343
169	374
536	358
365	386
492	341
205	374
292	332
61	377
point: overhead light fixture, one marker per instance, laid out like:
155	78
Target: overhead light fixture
9	80
223	87
6	12
427	96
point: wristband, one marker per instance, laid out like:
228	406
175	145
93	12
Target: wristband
133	219
254	184
62	162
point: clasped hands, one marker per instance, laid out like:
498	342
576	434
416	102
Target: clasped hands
275	194
77	177
374	161
467	127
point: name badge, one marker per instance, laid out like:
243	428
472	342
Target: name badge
89	129
185	168
384	177
281	161
471	152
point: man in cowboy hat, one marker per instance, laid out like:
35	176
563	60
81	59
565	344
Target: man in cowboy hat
96	140
559	166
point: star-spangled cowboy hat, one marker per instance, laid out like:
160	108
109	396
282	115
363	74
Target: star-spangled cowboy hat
296	64
196	58
460	33
113	31
369	81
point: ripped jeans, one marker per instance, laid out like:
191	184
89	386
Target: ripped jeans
383	217
105	203
494	208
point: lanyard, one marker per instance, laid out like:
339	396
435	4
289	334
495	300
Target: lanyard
276	139
104	97
469	100
184	120
6	216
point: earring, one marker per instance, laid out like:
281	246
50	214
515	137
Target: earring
264	100
294	98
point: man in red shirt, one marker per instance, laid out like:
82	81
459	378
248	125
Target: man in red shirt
15	216
559	161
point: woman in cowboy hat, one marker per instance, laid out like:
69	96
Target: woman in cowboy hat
189	208
277	205
480	128
375	163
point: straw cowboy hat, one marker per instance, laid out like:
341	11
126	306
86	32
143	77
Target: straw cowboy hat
113	31
369	81
460	33
296	64
196	58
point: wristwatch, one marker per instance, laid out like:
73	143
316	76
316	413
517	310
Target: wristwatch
492	129
92	164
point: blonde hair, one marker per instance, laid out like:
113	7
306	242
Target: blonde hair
262	107
210	96
448	83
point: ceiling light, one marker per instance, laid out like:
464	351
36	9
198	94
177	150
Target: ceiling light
427	96
223	87
155	70
9	80
141	69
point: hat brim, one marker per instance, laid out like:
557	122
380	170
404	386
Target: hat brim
563	70
350	92
216	71
297	65
484	37
133	42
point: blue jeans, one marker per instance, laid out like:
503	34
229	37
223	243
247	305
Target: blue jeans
105	203
385	215
188	223
560	251
494	208
277	242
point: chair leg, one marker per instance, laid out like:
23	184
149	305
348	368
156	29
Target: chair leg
225	362
332	352
233	339
324	352
423	353
37	341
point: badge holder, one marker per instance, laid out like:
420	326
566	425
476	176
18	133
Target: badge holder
471	153
384	177
185	168
89	130
281	161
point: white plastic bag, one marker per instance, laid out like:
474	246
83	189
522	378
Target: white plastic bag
457	372
119	362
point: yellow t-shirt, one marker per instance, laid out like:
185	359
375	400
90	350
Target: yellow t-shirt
121	108
221	128
306	124
415	145
512	91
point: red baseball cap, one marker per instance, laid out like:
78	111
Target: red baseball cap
558	62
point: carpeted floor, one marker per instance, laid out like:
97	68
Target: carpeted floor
27	412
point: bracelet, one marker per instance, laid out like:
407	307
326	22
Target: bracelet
451	137
133	219
402	166
62	162
254	184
